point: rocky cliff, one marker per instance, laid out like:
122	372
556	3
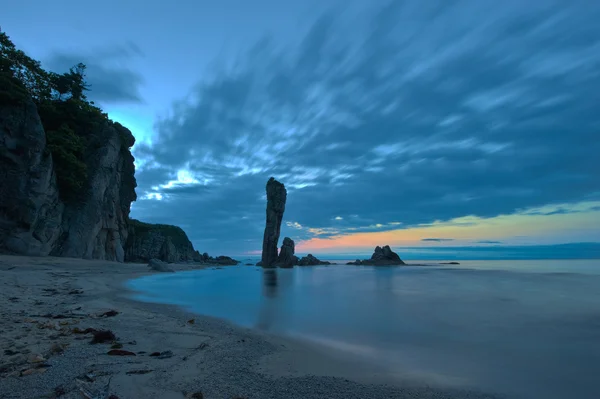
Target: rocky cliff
147	241
39	215
66	171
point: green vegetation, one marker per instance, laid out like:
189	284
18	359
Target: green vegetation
74	126
177	235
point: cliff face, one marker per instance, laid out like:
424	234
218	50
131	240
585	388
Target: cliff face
30	210
67	173
35	219
158	241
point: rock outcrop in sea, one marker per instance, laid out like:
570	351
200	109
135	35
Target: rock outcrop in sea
310	260
286	254
222	260
276	197
381	257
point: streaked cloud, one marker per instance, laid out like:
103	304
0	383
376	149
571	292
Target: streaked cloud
110	80
413	120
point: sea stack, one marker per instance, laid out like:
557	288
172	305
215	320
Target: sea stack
381	257
276	197
286	255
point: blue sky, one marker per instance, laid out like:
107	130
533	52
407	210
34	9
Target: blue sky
409	123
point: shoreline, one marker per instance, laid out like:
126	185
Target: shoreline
42	356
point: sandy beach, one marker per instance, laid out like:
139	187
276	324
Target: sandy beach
53	308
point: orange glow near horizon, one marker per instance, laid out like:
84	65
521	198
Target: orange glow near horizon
519	229
536	226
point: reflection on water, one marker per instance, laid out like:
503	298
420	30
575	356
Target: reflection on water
520	328
270	283
268	309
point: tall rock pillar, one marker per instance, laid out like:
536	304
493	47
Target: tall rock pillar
276	197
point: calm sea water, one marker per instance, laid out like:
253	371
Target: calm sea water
528	329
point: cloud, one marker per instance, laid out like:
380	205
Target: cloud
488	242
436	239
415	114
110	81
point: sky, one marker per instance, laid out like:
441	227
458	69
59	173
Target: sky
455	124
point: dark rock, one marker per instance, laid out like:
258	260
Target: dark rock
110	313
102	336
44	210
310	260
143	371
162	355
222	260
30	209
77	330
383	257
449	263
276	197
160	266
286	255
59	391
164	242
357	262
120	352
40	215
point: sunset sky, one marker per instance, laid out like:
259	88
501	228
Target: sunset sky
469	124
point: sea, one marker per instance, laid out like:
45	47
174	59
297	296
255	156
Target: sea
522	328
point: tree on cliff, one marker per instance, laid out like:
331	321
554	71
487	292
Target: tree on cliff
72	82
15	64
